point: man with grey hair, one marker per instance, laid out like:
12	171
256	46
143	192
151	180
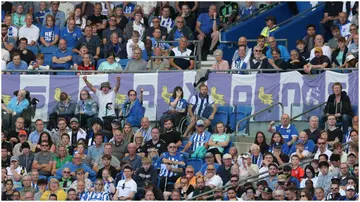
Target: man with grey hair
28	196
14	109
62	58
26	181
242	41
158	63
283	50
133	158
313	131
279	195
180	29
136	64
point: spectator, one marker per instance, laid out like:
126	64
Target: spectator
40	15
66	180
283	52
81	181
313	131
148	9
160	7
319	62
130	45
115	46
335	134
303	53
64	108
57	14
17	151
267	158
130	186
146	173
98	18
158	63
338	149
339	55
43	161
61	158
76	164
353	31
135	25
354	47
131	108
196	110
296	171
26	55
80	20
155	141
35	135
18	17
45	136
309	174
15	108
54	188
12	30
156	25
308	144
133	159
121	19
220	63
207	31
199	139
333	42
71	195
309	39
137	63
71	34
249	9
76	132
224	171
110	64
260	140
270	27
50	32
12	136
62	58
91	41
331	13
193	6
110	30
246	167
344	25
324	180
242	60
98	194
288	131
322	149
188	15
229	13
30	32
86	109
98	163
319	43
15	172
218	142
16	64
165	19
8	190
155	40
211	179
350	194
27	157
120	144
295	61
150	187
79	60
96	150
38	63
181	50
8	43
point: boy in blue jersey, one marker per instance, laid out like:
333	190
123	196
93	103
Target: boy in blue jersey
288	131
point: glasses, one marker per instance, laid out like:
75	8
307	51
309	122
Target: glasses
66	172
302	195
210	169
257	50
352	29
44	145
190	171
180	21
170	147
321	143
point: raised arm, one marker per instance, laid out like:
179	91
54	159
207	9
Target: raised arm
89	85
117	86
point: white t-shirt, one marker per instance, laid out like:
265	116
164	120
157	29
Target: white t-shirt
129	186
215	180
105	9
327	152
103	99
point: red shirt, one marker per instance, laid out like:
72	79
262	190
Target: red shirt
298	173
84	67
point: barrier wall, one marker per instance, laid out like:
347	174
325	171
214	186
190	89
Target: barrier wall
256	90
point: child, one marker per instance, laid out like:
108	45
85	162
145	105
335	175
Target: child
134	40
300	151
86	64
39	16
94	29
53	197
304	53
39	63
296	170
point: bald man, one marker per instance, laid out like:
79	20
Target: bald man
288	131
284	53
62	58
242	41
145	129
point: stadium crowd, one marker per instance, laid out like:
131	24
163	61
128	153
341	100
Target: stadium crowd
92	150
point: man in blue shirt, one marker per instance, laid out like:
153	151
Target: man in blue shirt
59	15
16	64
303	138
76	164
199	138
71	34
207	28
284	53
62	58
288	131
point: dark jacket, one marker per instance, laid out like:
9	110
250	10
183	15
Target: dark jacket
186	31
345	105
297	65
26	161
336	53
141	176
119	52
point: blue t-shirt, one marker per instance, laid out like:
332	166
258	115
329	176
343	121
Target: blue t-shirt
206	23
49	33
284	53
309	145
164	172
60	54
41	15
287	133
181	104
71	38
22	66
198	140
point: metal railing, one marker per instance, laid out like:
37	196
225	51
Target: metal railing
253	40
258	178
197	49
287	70
261	111
305	112
168	57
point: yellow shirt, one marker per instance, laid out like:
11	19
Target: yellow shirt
192	181
61	195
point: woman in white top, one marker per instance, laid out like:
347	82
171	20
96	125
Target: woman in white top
309	175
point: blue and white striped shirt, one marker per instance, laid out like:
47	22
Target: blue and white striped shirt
164	172
166	22
95	196
199	140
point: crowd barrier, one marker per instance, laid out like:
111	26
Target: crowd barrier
256	90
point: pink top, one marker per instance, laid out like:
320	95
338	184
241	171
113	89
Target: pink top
223	65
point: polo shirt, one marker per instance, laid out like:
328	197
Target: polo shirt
61	54
287	133
308	145
21	66
119	150
207	23
92	44
161	146
71	38
30	33
44	159
183	63
134	163
49	33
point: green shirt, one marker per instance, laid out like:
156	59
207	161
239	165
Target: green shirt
219	138
60	163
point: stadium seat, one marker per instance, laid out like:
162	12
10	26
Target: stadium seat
239	113
227	148
196	163
99	62
227	109
123	62
48	54
219	117
355	109
33	49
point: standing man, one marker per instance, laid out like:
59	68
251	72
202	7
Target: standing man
105	96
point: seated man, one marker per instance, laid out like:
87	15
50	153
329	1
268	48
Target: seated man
283	50
155	141
91	41
229	13
74	165
200	138
71	34
158	63
79	59
137	63
319	62
25	54
133	159
98	164
288	131
64	108
14	109
182	50
165	19
155	40
98	19
270	27
209	160
30	32
133	43
126	188
62	58
16	64
199	105
112	29
114	45
207	29
8	43
43	161
155	25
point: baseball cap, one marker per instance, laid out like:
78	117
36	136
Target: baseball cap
116	121
200	123
227	156
245	155
351	154
268	190
14	158
349	58
281	178
318	49
98	121
22	132
74	120
148	183
209	154
349	187
272	18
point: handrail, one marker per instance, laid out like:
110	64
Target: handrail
299	14
286	70
166	57
242	182
265	109
254	40
305	112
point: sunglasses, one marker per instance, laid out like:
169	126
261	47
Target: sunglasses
333	188
257	50
302	195
22	135
210	169
321	143
44	145
189	171
66	172
79	173
352	29
156	21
